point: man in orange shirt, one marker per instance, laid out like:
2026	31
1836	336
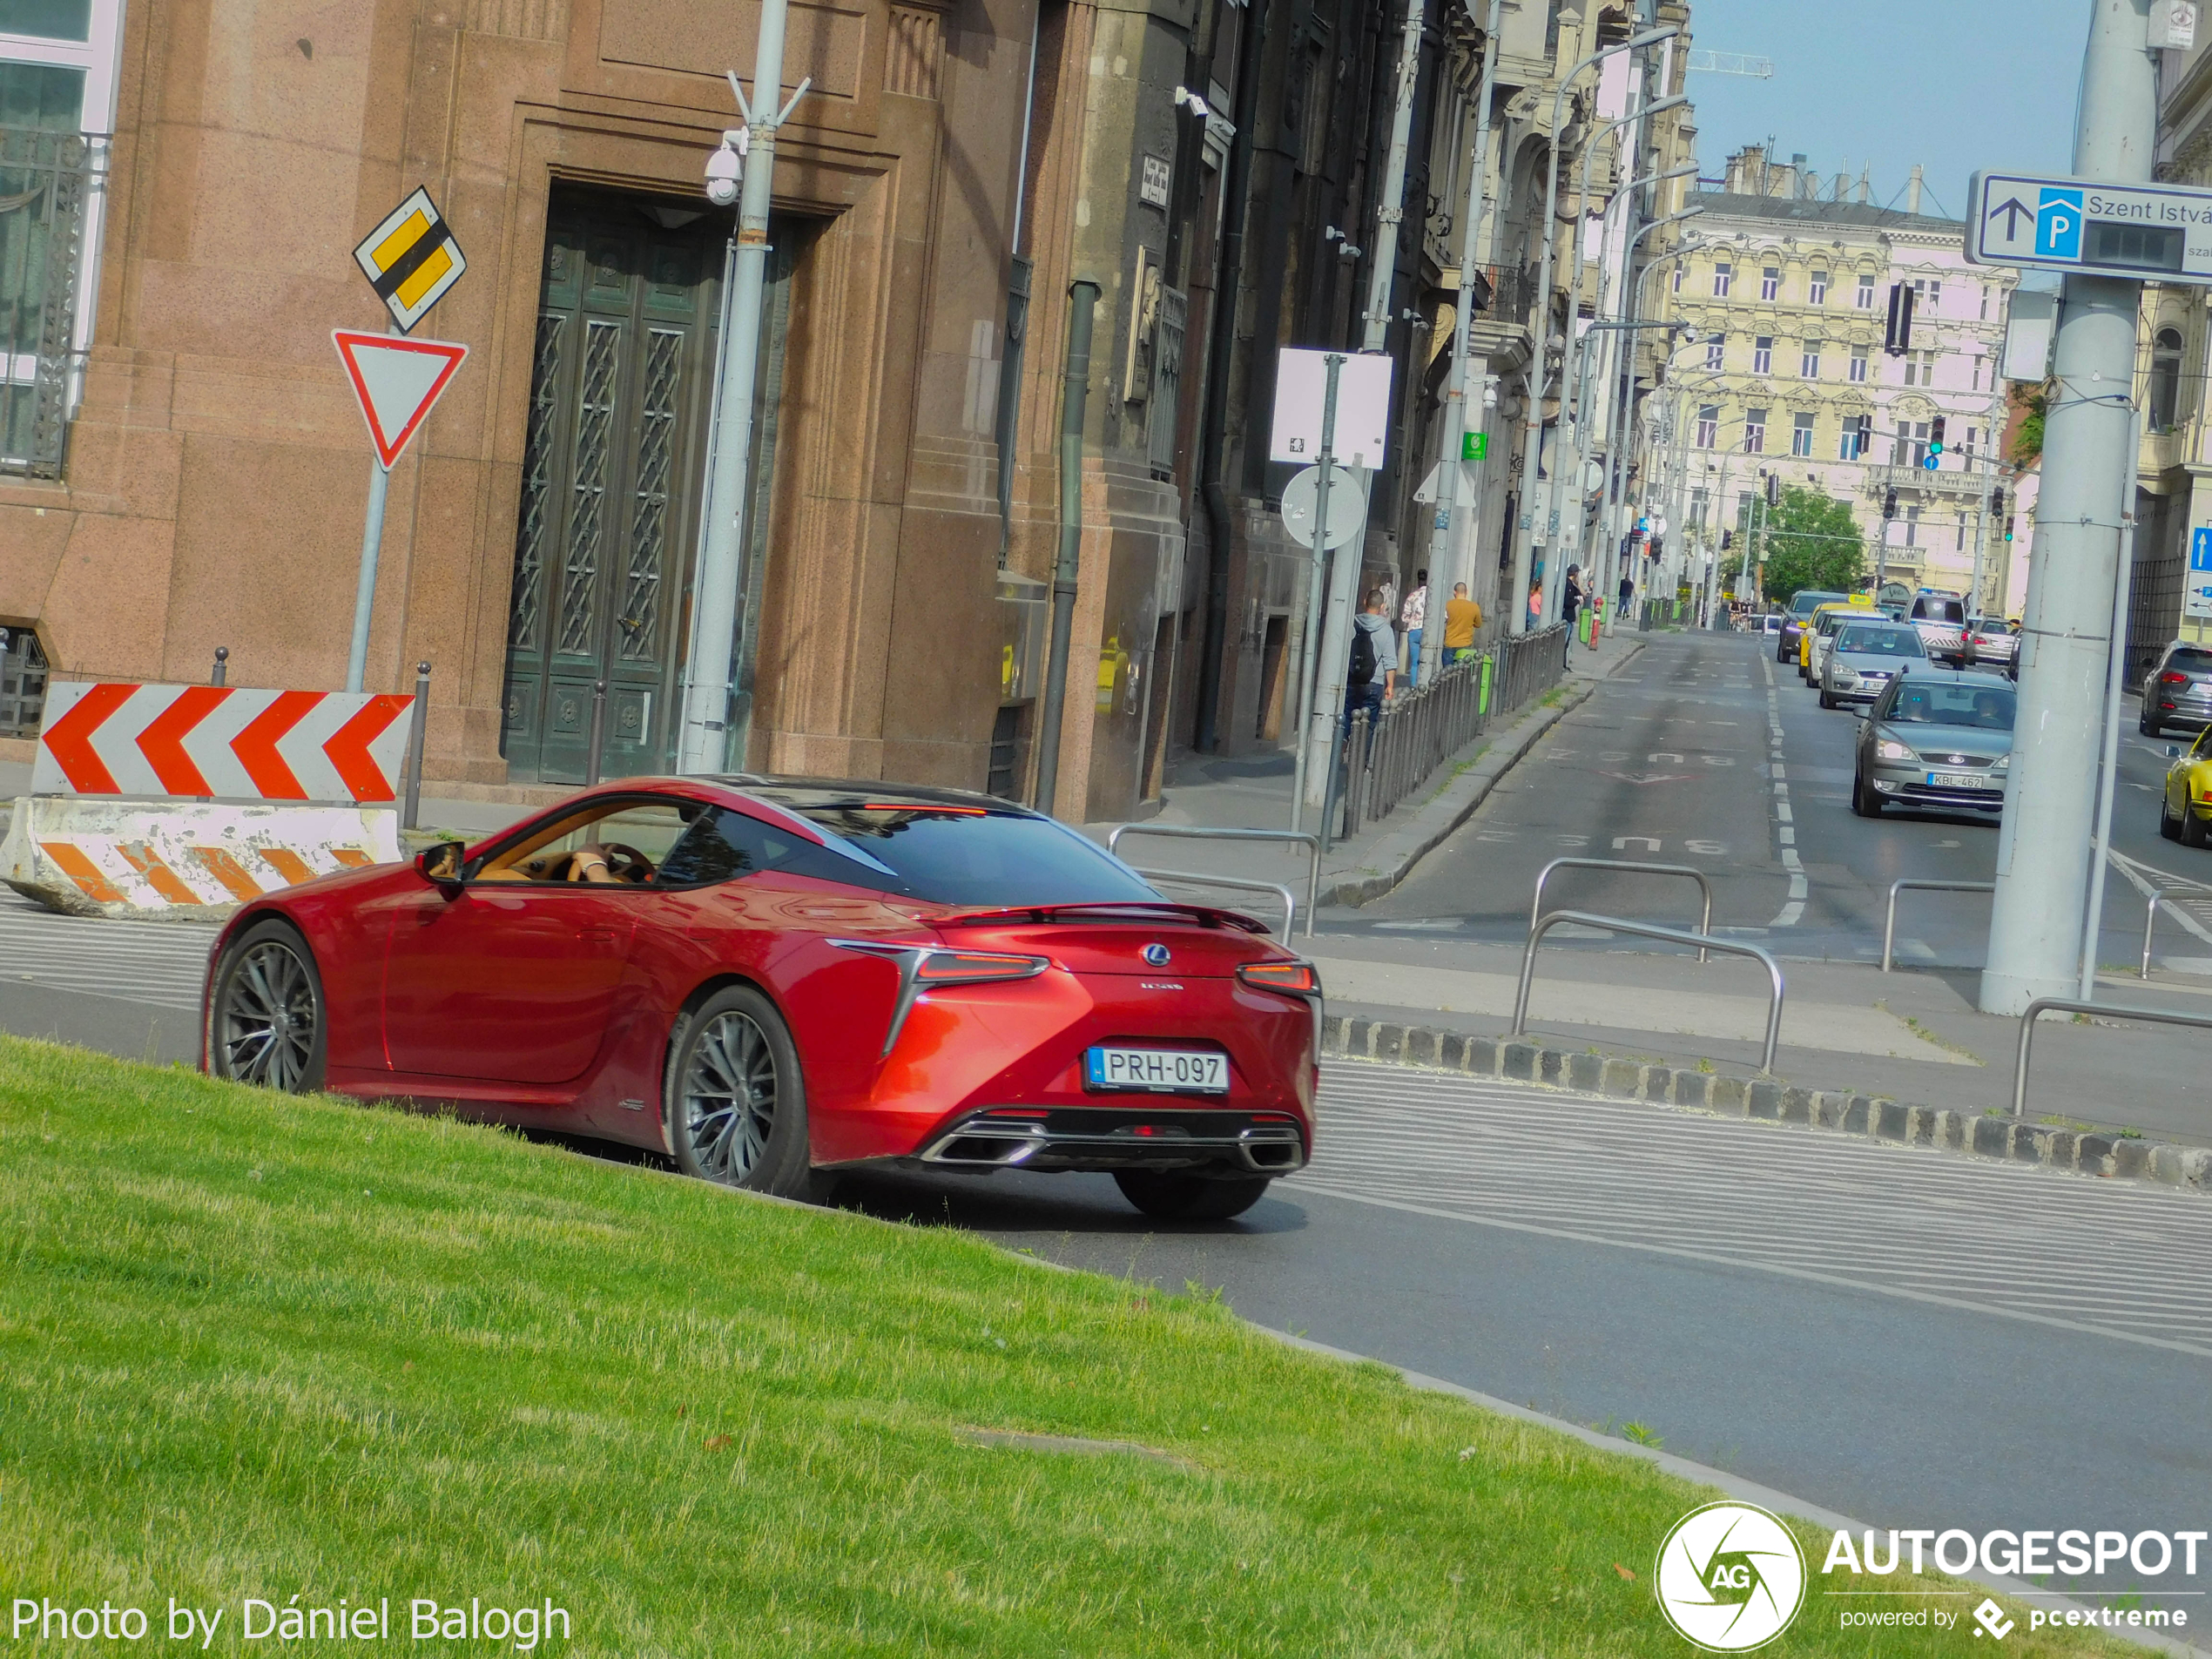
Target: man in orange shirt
1461	617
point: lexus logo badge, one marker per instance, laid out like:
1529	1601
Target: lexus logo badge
1156	955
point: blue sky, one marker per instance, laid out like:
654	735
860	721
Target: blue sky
1954	85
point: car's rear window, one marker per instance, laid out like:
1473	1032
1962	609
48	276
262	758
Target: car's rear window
1938	610
1802	605
970	856
1881	642
1918	702
1990	625
2191	661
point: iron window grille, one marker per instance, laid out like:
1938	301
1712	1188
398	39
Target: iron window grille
47	182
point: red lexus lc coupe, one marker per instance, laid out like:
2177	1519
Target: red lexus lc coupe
772	979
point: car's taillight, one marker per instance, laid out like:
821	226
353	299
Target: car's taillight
975	967
1292	979
2169	677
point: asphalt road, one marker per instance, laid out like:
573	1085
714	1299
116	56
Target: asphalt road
1674	761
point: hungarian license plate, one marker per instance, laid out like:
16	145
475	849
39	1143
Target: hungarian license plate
1964	780
1156	1071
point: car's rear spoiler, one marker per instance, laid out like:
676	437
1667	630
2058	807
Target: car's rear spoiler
1107	910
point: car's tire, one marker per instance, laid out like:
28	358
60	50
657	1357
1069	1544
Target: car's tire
2194	833
1826	701
269	1023
2147	726
1173	1196
734	1101
1864	800
2169	825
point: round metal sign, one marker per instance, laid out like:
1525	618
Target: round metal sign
1347	505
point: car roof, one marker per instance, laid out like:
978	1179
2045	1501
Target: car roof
800	794
1956	674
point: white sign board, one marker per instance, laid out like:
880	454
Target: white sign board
2145	232
2032	319
2173	24
1363	407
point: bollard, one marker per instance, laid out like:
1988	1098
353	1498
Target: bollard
598	732
222	666
414	745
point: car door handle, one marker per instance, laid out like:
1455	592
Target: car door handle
599	935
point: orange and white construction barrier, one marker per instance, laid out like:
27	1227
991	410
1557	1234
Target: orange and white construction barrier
181	860
232	742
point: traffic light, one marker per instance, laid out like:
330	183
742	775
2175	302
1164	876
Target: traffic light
1774	490
1889	504
1935	444
1997	503
1897	335
2008	529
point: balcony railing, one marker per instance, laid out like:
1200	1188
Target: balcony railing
1944	480
46	182
1503	292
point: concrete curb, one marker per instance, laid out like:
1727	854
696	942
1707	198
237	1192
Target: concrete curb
1392	856
1990	1135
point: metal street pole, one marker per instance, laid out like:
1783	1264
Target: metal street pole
2109	770
1532	531
1446	545
2088	477
702	737
1343	571
379	484
1309	662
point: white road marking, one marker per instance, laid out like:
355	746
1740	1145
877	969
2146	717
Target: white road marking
1792	912
2001	1239
162	963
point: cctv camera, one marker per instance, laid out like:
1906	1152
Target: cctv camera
725	169
1689	336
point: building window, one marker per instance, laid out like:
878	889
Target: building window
1858	356
1763	355
1771	283
1984	302
1853	446
1716	351
1698	504
1808	359
1817	294
57	61
2165	399
1723	272
22	684
1973	436
1801	436
1678	275
1866	291
1961	546
1913	527
1919	369
1708	426
1911	445
1755	432
1977	366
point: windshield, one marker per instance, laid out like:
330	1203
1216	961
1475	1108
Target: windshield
1801	606
1918	702
1880	642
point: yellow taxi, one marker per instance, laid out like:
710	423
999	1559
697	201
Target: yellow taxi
2185	811
1808	659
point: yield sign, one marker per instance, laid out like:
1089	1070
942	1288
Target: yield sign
397	381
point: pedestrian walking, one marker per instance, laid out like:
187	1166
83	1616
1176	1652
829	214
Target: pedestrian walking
1413	615
1461	617
1535	606
1628	598
1570	603
1371	674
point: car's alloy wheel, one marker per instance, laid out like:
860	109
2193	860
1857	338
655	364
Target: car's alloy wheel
2169	825
1864	799
736	1104
265	1024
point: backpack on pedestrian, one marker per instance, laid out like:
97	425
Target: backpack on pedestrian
1363	657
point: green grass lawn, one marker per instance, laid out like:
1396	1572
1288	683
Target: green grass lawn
260	1347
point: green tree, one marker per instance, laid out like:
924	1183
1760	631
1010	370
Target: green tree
1810	541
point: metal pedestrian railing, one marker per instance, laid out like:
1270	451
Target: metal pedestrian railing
1390	755
1198	878
2164	896
1630	865
1889	916
1192	833
1668	935
2043	1005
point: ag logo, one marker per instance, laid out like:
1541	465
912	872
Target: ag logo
1730	1577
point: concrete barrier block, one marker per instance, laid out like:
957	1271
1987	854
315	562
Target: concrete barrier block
2196	1168
1920	1125
1421	1045
1858	1115
181	861
1890	1120
2062	1148
1450	1051
1733	1096
1333	1033
1551	1067
1951	1131
1658	1083
2130	1158
1585	1072
1390	1039
1764	1100
1482	1057
1357	1036
2166	1165
1989	1134
1694	1088
1622	1079
2093	1154
1797	1106
1521	1061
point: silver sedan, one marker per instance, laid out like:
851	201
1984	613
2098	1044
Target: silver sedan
1864	659
1938	738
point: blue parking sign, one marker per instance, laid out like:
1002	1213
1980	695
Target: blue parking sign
2058	224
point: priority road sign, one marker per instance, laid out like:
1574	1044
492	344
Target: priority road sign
2143	233
397	381
411	259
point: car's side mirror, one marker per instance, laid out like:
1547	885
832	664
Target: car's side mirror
2172	751
441	864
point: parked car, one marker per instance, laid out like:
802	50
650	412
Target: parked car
2178	689
1992	643
1941	618
1802	605
1865	656
1771	623
770	980
2185	808
1937	737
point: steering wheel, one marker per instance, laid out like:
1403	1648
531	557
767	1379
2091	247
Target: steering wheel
626	863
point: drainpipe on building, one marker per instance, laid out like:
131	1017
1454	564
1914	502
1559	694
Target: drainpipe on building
1221	350
1075	383
1017	314
703	739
